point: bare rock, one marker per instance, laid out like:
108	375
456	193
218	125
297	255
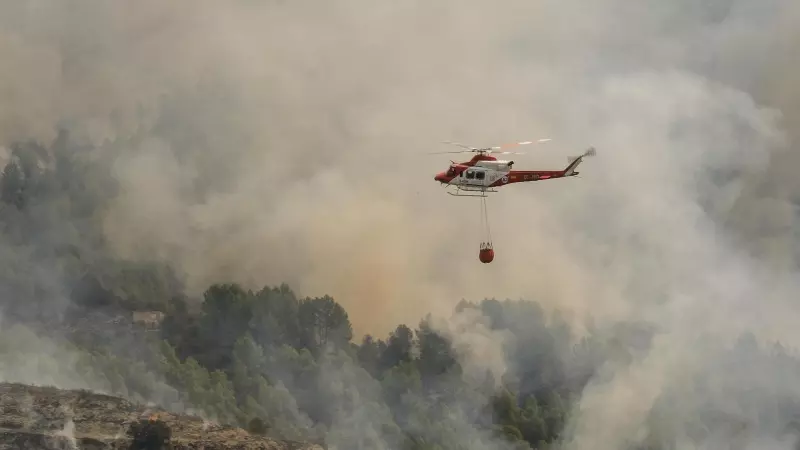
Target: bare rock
46	418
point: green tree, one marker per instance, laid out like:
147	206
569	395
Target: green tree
399	348
181	328
13	185
532	425
369	354
436	356
226	315
275	319
323	322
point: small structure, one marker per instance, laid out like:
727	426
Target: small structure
151	320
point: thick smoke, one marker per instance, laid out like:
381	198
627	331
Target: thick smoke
285	141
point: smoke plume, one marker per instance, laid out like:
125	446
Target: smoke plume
268	142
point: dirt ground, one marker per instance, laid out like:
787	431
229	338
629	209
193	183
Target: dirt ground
37	418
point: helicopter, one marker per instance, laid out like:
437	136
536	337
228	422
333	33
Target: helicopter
485	173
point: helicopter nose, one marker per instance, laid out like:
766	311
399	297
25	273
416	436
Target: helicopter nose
439	177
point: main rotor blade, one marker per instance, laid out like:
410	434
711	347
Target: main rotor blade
515	144
457	151
491	150
460	145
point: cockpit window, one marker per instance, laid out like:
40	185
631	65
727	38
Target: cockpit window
451	171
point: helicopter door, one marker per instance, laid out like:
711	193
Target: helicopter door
480	177
474	177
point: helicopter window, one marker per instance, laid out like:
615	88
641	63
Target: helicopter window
451	172
470	174
480	175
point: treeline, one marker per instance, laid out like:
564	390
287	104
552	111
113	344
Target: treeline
269	357
288	366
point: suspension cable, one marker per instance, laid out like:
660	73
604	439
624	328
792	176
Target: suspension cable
485	219
483	224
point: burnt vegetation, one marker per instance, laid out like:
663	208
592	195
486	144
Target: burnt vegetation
282	365
149	434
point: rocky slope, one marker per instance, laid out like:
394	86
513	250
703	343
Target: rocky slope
48	418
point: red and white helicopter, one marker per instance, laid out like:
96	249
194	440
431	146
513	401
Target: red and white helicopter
484	173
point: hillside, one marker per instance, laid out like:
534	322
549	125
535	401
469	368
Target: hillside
48	418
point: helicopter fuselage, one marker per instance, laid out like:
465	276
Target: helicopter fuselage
483	172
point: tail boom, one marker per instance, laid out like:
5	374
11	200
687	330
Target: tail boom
522	176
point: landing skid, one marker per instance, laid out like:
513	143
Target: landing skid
479	192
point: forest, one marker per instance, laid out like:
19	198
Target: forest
288	366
